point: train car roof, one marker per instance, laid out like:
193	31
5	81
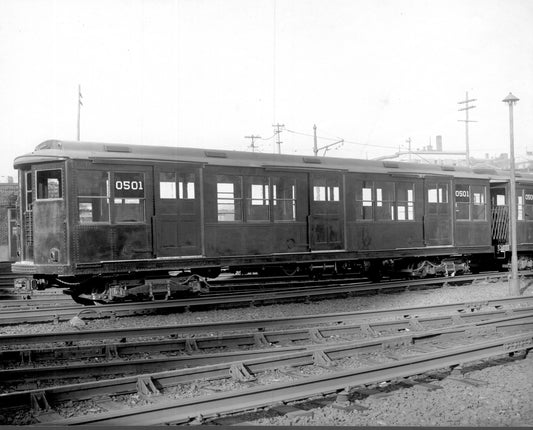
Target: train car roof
56	150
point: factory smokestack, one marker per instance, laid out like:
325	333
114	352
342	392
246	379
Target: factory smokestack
439	143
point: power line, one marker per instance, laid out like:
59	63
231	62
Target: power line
80	104
345	141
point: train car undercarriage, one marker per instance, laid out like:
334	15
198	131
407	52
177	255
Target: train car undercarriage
164	285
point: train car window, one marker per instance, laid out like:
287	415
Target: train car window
325	191
405	201
384	201
257	202
29	191
319	193
470	202
229	198
284	199
365	201
462	202
528	205
437	198
186	186
167	185
520	207
93	196
129	201
479	203
176	186
49	184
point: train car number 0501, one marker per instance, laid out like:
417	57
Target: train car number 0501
129	185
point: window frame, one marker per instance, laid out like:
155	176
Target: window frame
38	191
276	201
100	197
527	205
369	201
113	198
236	197
113	206
465	199
269	197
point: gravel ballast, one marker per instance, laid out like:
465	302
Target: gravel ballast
504	396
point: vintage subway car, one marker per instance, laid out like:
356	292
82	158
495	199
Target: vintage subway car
113	221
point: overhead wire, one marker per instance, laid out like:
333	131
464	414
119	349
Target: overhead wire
345	141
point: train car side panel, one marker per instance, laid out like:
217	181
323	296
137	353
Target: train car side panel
254	211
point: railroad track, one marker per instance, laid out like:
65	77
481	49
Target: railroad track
434	349
29	313
200	409
190	349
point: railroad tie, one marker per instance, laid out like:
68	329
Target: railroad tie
368	331
315	335
240	372
261	340
146	387
38	402
25	356
191	346
111	352
320	358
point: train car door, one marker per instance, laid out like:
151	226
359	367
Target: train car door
326	212
177	211
438	218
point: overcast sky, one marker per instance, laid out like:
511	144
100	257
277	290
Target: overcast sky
206	73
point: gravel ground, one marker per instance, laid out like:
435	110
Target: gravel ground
505	400
451	294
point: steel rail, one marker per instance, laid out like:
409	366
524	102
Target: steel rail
281	358
33	374
189	345
261	324
63	313
176	411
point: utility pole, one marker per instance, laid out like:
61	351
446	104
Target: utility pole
252	145
514	282
315	143
466	121
80	104
409	142
278	132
